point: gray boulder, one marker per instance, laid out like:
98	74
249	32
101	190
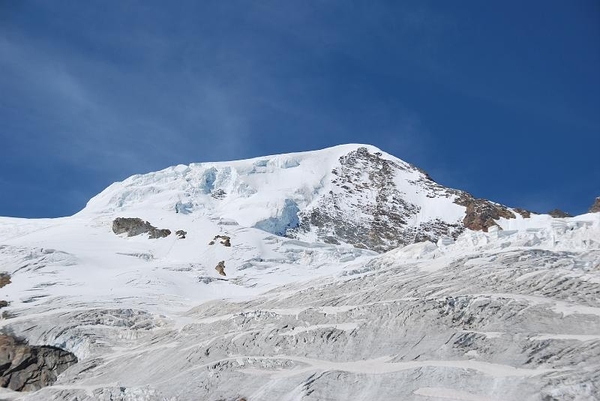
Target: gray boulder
137	226
29	368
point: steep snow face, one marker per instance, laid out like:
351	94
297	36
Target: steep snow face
352	194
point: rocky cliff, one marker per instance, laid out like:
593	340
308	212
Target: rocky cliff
29	368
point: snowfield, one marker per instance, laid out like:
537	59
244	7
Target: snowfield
508	314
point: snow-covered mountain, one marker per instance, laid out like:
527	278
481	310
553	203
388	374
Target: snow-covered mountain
346	274
349	194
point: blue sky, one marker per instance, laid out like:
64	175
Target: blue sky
501	99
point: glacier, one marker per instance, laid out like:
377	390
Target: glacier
306	311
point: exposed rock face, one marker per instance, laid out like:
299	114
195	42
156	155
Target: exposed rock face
29	368
557	213
380	213
368	180
481	214
225	240
181	234
221	268
523	212
4	279
595	207
136	226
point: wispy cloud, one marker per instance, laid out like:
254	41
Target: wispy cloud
99	115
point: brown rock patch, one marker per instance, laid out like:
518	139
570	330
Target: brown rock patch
4	279
221	268
523	212
482	214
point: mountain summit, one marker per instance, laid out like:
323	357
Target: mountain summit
348	194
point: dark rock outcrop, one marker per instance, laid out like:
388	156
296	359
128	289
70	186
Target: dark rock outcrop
523	212
596	206
181	234
221	268
136	226
4	279
481	213
219	194
225	240
557	213
29	368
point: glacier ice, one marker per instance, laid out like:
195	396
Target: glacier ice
285	219
509	314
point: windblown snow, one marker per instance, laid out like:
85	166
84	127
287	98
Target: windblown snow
303	313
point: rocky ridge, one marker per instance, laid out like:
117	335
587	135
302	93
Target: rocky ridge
559	214
379	216
385	216
595	208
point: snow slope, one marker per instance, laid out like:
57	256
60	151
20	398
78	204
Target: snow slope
511	314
